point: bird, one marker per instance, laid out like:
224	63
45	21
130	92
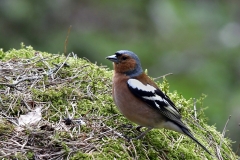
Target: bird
139	98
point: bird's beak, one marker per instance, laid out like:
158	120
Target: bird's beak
112	58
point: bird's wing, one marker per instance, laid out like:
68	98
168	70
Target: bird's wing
155	98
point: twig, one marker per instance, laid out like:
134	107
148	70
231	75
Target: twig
224	131
28	107
1	102
10	119
58	68
89	92
134	149
195	110
221	139
13	85
66	40
162	76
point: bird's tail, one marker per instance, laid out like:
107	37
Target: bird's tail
189	134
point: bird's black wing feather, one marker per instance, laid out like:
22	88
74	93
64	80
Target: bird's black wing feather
156	99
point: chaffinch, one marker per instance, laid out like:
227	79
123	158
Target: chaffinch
140	100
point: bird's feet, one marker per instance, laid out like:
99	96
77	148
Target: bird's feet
139	136
129	126
139	128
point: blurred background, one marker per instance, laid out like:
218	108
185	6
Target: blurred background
197	41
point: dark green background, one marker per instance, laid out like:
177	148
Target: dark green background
198	41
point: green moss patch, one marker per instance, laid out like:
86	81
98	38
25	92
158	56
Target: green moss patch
79	118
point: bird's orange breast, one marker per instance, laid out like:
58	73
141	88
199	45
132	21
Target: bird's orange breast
131	107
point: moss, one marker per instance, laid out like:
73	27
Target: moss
18	155
5	128
81	90
2	55
65	147
30	155
80	155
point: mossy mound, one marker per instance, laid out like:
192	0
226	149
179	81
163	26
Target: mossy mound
79	118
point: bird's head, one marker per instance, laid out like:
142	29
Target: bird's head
126	62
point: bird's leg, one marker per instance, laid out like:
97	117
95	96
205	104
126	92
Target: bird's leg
143	133
126	126
139	128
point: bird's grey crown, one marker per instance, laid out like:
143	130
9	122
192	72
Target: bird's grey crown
138	69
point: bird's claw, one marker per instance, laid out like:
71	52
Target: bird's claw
127	126
139	128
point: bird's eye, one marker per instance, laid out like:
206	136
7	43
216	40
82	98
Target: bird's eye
124	58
